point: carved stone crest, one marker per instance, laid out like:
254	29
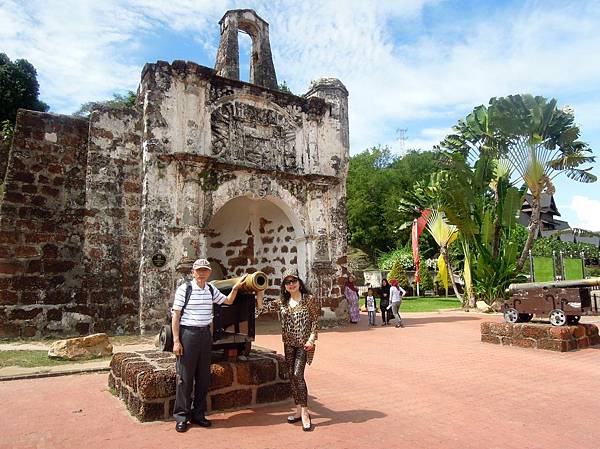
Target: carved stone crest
260	186
247	134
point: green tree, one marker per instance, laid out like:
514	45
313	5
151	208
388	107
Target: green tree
480	201
367	188
426	280
283	87
396	270
534	141
403	280
19	88
376	180
118	101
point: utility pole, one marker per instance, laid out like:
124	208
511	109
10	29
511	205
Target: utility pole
402	139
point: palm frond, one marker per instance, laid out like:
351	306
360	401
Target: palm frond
442	232
581	175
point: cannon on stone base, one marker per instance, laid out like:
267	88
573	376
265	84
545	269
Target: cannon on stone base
564	302
233	325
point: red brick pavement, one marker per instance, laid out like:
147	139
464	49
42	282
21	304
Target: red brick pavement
432	384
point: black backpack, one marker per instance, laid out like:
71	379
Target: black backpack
165	337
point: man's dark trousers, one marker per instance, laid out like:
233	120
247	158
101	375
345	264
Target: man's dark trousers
192	367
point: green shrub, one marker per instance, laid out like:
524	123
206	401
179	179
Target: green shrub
593	272
426	280
395	270
543	247
401	255
403	281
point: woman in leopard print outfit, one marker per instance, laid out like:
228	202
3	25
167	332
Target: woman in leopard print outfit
299	314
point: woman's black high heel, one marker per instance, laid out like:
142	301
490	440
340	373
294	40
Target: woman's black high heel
293	419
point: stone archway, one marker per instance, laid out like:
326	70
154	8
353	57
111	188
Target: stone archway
255	234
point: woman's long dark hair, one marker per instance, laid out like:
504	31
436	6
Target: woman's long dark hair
285	295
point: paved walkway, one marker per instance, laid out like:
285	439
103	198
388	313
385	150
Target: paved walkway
432	384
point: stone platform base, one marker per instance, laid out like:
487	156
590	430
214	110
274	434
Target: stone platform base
145	382
540	335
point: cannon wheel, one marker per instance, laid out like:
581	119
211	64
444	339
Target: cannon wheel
558	317
573	319
511	316
525	317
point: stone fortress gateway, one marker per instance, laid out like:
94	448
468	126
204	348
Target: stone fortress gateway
102	216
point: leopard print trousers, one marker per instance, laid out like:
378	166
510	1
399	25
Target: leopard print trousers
295	359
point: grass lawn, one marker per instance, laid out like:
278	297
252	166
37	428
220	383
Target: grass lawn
424	303
28	359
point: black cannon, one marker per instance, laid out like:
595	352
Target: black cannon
234	325
564	302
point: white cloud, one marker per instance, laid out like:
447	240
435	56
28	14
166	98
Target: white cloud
535	47
87	50
587	211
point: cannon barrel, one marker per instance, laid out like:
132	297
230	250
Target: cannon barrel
255	282
555	284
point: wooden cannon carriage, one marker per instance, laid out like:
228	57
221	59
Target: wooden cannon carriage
234	325
564	302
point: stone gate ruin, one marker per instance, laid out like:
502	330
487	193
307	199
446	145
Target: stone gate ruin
102	216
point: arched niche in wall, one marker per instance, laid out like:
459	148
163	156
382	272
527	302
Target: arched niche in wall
255	234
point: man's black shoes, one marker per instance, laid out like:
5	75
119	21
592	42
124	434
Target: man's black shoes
202	422
183	425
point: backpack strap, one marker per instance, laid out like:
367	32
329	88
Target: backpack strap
212	291
188	294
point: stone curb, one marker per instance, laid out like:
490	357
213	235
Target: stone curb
54	374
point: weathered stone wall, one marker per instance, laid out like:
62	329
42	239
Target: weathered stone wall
541	335
70	225
112	220
208	140
4	152
252	234
41	227
262	71
102	218
145	382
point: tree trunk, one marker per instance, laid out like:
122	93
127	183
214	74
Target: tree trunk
534	224
497	227
451	273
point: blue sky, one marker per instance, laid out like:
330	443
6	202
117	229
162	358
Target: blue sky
418	65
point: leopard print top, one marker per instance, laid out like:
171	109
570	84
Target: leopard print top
297	323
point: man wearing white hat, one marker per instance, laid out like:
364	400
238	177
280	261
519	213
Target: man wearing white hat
192	343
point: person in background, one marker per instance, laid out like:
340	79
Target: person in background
396	294
371	307
351	293
299	313
384	302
